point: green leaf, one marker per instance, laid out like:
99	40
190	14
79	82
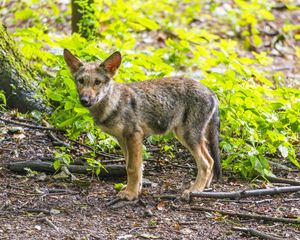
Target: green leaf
56	165
119	186
147	23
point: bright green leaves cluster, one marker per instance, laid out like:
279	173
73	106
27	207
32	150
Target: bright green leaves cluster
259	117
2	100
61	157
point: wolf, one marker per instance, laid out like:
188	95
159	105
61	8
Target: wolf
130	112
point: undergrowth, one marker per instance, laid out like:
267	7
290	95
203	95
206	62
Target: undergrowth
260	116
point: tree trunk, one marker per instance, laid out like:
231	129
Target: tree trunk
79	10
16	78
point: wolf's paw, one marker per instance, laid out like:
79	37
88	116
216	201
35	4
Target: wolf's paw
128	195
186	195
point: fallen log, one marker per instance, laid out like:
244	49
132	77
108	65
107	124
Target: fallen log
47	167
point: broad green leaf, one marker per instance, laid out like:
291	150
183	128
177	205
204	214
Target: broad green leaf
147	23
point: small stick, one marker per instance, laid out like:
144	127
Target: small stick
113	201
283	180
257	233
38	210
57	191
56	139
118	160
50	223
248	216
28	125
92	149
167	196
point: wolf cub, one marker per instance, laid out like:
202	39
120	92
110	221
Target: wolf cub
131	112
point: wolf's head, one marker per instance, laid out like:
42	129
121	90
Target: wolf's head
93	80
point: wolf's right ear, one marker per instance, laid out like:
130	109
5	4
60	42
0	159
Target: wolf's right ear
73	62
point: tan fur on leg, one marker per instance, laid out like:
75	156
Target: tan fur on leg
204	165
210	162
133	167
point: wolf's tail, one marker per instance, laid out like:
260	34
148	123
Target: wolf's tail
213	131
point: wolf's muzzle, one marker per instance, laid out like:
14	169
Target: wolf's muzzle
85	101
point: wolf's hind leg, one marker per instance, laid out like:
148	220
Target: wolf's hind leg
204	164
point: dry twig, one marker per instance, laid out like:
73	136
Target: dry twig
28	125
247	215
257	233
50	223
283	180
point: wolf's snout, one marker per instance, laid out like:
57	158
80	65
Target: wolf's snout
85	101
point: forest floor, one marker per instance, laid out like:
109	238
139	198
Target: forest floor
40	206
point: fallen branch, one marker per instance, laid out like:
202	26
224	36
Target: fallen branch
117	160
247	215
28	125
283	180
54	137
280	166
111	170
92	149
38	210
50	223
257	233
246	193
57	140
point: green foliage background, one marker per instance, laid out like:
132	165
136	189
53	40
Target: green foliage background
260	116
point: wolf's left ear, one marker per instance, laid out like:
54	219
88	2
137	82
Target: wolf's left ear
112	63
73	62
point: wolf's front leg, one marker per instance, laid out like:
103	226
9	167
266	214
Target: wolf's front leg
133	145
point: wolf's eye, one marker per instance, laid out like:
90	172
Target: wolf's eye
97	82
81	81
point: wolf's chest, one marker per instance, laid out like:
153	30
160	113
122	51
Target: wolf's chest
116	130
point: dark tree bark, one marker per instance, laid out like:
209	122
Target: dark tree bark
36	165
16	77
78	12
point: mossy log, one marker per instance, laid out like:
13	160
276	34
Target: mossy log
47	167
17	79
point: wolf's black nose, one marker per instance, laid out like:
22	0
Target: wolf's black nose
85	101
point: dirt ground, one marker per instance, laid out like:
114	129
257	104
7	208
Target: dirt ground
39	206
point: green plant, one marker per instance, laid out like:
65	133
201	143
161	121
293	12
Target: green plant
2	100
61	156
259	116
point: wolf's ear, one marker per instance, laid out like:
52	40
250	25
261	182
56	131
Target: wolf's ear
73	62
112	63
